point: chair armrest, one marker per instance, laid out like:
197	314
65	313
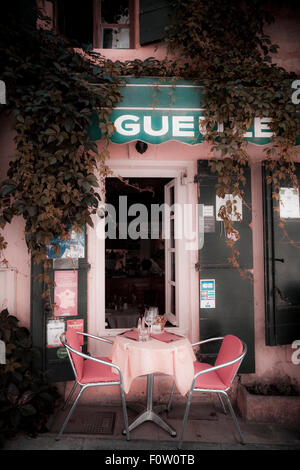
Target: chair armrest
95	337
96	359
86	356
208	340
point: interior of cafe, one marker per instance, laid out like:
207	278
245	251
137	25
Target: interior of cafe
134	267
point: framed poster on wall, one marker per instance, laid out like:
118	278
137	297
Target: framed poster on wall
72	248
66	293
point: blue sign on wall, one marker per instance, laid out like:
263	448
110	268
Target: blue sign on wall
73	247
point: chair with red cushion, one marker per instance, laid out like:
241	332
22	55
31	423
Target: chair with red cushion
90	371
218	378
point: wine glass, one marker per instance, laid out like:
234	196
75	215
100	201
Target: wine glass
150	315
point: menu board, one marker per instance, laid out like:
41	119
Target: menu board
54	329
66	293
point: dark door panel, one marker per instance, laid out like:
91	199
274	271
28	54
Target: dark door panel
234	305
282	268
233	313
53	361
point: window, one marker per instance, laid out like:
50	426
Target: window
107	24
75	22
114	30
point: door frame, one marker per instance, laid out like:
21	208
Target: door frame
188	300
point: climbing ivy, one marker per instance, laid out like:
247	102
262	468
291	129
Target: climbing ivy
226	48
53	175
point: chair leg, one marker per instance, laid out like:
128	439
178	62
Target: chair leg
234	418
187	409
69	414
69	396
223	406
125	413
171	398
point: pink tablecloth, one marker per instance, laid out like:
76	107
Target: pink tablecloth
140	358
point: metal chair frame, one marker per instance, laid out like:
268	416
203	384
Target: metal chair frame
219	392
85	386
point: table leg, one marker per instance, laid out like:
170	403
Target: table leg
150	414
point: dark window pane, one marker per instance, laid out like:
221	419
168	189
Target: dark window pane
75	21
115	38
172	196
173	300
172	233
172	266
115	11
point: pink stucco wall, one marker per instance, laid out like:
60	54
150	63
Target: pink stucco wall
285	32
271	362
16	253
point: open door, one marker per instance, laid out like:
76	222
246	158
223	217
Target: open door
170	252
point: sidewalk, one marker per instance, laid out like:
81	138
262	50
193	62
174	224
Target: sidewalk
208	428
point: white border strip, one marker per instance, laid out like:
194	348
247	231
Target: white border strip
161	85
153	108
150	85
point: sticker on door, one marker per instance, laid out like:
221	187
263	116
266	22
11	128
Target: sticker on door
207	293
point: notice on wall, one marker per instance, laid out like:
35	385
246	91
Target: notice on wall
236	204
54	329
207	293
78	326
66	293
2	352
289	203
209	219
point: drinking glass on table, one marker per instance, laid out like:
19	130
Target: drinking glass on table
150	315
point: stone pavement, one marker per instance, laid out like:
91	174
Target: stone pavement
208	428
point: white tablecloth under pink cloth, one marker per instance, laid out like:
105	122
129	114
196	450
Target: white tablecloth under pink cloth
137	358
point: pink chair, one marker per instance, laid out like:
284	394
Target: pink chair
90	371
218	378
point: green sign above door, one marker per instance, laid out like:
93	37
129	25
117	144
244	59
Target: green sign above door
154	110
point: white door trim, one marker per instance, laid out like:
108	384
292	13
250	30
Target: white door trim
188	298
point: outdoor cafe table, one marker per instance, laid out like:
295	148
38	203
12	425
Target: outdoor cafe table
136	358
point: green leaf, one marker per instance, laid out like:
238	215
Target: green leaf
50	131
15	418
26	397
89	221
27	410
12	393
86	185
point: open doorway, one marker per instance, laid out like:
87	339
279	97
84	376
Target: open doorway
135	274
